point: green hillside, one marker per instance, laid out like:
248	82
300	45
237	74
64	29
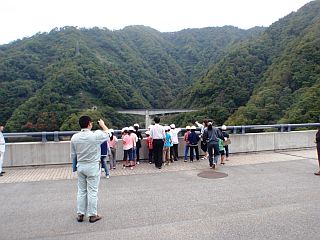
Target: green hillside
52	76
271	79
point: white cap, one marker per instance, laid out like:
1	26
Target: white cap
124	129
166	128
131	128
187	127
136	125
224	127
193	128
173	126
148	132
111	130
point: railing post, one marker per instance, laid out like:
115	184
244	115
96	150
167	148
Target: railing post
289	127
56	136
281	128
243	129
234	130
44	137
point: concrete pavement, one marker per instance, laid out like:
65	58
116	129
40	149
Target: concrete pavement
267	195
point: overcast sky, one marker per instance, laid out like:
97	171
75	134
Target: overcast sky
24	18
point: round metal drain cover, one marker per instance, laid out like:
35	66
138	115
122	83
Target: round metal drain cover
212	174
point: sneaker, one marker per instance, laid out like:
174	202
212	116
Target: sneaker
150	162
108	176
214	166
185	160
131	168
138	162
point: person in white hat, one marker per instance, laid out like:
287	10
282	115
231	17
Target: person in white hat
211	135
150	147
175	142
113	142
193	143
134	138
186	139
138	144
127	147
226	141
166	146
203	143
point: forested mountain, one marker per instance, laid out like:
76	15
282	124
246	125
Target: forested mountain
235	76
49	78
274	78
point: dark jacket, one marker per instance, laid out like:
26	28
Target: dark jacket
193	138
139	135
211	136
104	148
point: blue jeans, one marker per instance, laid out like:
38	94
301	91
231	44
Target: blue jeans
186	151
213	150
88	185
104	164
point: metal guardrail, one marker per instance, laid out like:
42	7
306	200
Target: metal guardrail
280	127
57	135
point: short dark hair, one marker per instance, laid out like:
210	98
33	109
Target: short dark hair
156	119
1	124
84	121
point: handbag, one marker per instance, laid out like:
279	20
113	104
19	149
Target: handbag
227	142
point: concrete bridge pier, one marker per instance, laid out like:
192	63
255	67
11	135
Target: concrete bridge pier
148	119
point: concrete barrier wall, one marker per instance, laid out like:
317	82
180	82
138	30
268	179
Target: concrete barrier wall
30	154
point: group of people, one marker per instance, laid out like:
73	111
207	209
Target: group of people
162	142
131	139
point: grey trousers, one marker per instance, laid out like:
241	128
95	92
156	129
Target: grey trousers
88	185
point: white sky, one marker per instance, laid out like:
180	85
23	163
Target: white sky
24	18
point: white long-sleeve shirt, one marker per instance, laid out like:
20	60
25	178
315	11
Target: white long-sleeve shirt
2	143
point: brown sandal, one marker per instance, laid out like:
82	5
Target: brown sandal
95	218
